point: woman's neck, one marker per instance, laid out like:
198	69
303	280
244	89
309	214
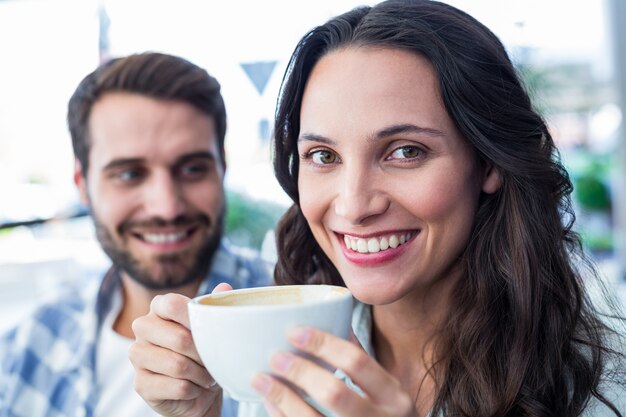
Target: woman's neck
401	331
404	338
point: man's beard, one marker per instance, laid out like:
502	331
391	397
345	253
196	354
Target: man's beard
174	273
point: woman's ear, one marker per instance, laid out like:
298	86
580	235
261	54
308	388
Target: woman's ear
492	181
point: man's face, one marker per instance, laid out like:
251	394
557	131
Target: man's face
154	187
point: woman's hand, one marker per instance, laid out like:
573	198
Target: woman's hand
383	394
169	375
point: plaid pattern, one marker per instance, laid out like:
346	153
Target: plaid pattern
48	362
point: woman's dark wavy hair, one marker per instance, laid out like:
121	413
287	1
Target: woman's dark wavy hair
523	338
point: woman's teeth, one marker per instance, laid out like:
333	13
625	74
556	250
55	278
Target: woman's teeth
376	244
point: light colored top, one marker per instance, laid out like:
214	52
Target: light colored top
115	372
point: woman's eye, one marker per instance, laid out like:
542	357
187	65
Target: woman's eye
323	157
406	152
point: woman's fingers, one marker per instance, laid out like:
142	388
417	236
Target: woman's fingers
280	400
362	369
317	382
272	410
354	340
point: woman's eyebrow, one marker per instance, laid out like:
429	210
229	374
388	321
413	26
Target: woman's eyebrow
381	134
312	137
406	128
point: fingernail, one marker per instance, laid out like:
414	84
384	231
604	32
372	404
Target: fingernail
210	384
281	361
300	336
261	383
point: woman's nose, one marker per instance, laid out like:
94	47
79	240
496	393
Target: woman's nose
359	197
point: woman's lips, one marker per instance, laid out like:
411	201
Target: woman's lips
376	250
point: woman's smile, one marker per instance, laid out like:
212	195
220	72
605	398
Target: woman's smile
375	244
375	249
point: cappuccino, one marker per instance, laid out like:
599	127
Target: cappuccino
236	332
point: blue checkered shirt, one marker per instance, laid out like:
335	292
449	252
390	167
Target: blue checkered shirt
48	362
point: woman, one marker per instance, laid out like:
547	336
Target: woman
424	181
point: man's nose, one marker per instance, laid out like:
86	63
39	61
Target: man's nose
359	195
164	197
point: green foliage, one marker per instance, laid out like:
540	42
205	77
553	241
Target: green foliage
597	242
248	220
591	193
590	173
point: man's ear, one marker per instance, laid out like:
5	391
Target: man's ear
81	182
492	181
223	169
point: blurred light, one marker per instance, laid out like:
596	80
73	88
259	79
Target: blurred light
604	127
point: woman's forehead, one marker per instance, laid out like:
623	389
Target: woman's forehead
356	88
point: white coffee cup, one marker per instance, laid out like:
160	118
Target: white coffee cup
236	332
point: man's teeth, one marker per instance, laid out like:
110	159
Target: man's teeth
374	244
163	237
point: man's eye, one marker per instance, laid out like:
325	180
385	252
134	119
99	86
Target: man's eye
193	169
406	152
129	175
323	157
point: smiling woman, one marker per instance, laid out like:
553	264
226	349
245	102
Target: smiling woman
452	312
424	181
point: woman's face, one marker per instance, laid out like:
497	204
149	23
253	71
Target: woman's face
387	184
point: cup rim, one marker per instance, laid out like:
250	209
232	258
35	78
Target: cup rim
196	300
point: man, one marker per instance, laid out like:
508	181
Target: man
148	137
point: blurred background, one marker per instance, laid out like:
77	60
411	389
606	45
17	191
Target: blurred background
571	54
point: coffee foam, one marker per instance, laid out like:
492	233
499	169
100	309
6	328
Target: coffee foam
275	296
